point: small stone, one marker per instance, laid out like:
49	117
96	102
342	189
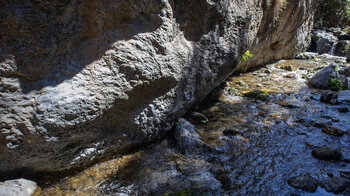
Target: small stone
327	96
331	130
243	84
305	182
267	71
334	102
257	94
343	110
232	132
335	184
326	153
287	67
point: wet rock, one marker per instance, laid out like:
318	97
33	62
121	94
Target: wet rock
340	48
335	184
332	130
287	67
324	41
258	94
342	35
305	182
326	153
328	96
243	84
306	55
267	71
19	187
188	140
343	110
226	181
127	79
321	79
344	70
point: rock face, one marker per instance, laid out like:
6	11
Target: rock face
333	41
292	17
82	80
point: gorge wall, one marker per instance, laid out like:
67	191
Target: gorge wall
87	79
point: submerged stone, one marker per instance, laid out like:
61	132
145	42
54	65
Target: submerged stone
258	94
188	140
326	153
332	130
335	184
305	182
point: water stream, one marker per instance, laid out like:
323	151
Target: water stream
258	144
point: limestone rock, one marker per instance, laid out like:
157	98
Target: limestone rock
84	80
19	187
187	139
321	78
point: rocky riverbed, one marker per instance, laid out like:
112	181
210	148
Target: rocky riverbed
264	132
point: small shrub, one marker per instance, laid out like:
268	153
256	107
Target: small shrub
247	55
336	84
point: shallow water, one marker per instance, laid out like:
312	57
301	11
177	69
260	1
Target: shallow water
258	144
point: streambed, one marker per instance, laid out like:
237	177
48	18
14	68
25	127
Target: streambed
255	145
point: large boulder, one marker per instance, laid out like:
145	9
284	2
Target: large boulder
321	79
325	41
84	80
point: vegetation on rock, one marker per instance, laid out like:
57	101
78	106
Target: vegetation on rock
247	55
336	84
334	13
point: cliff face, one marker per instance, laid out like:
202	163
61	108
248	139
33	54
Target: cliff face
81	80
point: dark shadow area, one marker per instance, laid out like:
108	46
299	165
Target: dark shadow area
51	41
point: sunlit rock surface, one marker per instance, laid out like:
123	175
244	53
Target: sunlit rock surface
84	80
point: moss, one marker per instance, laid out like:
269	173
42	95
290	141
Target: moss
186	192
199	117
247	55
258	94
336	84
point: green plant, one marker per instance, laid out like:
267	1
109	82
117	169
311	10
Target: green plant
186	192
336	84
336	68
347	46
247	55
334	12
